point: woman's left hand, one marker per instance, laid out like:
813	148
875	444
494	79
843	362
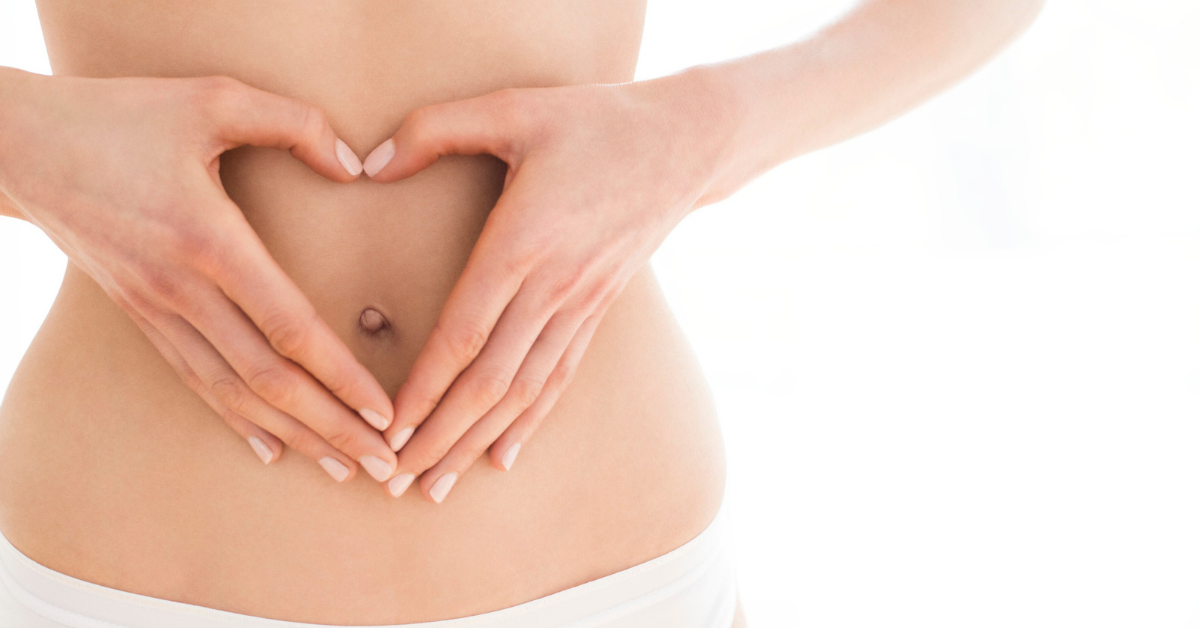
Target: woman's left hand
598	175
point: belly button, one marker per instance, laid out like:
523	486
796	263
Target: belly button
373	322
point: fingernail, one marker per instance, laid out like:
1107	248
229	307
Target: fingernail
401	437
380	157
349	160
261	449
398	484
377	421
334	468
378	469
440	488
510	456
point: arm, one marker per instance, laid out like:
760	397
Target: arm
877	62
122	174
9	208
598	176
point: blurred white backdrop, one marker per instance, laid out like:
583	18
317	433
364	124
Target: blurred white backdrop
956	358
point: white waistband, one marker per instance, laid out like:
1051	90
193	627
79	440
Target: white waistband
692	586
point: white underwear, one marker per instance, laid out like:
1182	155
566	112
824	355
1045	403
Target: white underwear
693	586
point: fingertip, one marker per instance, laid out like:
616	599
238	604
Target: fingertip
441	487
340	472
262	450
400	438
379	158
397	485
376	419
510	456
348	159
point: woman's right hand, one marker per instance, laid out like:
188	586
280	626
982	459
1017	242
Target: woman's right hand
123	175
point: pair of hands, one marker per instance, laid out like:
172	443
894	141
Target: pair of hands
125	181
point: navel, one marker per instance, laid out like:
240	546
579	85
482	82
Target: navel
372	322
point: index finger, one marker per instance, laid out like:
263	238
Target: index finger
483	291
246	115
253	280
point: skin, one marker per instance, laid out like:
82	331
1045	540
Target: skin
502	250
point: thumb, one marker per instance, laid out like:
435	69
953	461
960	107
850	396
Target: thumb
484	124
248	116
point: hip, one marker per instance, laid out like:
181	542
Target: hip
113	472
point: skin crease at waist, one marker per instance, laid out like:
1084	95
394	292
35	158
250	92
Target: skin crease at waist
420	318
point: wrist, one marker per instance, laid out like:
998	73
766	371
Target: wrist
706	114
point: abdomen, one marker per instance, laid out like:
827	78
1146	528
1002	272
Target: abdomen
112	471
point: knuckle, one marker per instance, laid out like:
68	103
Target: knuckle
304	441
418	126
566	284
232	419
163	285
314	124
232	393
424	400
218	92
523	251
465	341
488	388
288	333
429	455
465	453
275	383
197	247
526	390
341	437
512	106
340	383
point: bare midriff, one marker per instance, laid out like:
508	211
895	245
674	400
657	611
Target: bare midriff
112	471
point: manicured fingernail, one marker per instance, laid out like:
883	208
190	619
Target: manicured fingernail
349	160
401	437
440	488
380	157
334	468
378	469
510	456
377	421
261	449
399	484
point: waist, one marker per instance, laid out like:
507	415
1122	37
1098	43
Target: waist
115	473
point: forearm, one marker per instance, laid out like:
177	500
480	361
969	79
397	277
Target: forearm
875	63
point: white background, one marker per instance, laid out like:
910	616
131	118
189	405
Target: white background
956	358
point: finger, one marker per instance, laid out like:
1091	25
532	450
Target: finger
223	383
476	302
504	450
264	444
484	124
285	385
245	115
527	386
251	278
483	384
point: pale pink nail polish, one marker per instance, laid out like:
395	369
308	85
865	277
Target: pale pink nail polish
349	160
510	456
380	157
399	484
400	438
440	488
261	449
334	468
378	469
377	421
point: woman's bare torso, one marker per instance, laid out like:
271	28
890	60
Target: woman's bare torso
111	470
